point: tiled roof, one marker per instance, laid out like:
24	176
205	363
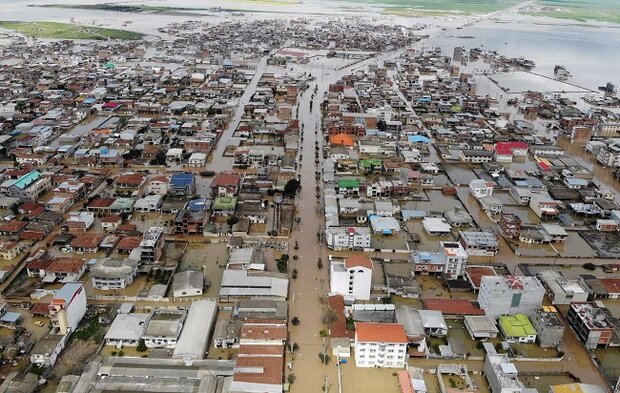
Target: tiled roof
380	332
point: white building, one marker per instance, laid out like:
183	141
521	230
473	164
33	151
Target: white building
454	257
380	345
500	295
351	277
163	327
68	307
480	188
347	238
197	160
126	330
110	274
187	283
501	374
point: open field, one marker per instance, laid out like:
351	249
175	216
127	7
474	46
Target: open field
68	31
578	10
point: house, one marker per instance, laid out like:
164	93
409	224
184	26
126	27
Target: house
500	295
80	221
480	327
544	206
239	284
149	203
45	351
384	225
454	258
348	187
126	330
158	185
68	307
481	188
351	277
436	226
128	183
10	250
575	183
225	185
197	160
182	185
113	273
111	222
190	222
187	283
86	243
517	328
380	345
591	324
347	238
549	327
63	269
433	323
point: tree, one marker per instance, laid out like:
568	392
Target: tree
319	263
324	358
282	263
328	316
291	378
291	187
381	125
232	220
141	346
295	321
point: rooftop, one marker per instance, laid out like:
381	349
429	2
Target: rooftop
380	332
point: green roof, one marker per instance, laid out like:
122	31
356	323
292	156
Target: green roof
517	325
27	179
122	203
348	183
369	162
224	203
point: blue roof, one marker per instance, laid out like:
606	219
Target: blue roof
409	214
198	204
89	101
11	317
27	179
181	179
418	139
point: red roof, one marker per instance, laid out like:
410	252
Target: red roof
13	226
88	240
338	328
372	332
39	264
508	147
111	218
101	203
358	261
129	242
475	274
611	285
452	306
226	180
405	382
132	179
39	309
65	265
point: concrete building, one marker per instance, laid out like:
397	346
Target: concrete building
380	345
68	307
187	284
479	243
239	284
501	374
591	324
109	274
163	327
454	257
347	238
351	277
510	295
549	327
196	332
152	244
480	188
563	291
480	326
126	330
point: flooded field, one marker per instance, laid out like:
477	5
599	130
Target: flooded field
460	174
211	259
542	382
609	359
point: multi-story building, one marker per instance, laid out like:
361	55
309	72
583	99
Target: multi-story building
380	345
152	244
351	277
501	374
517	328
563	291
479	243
500	295
591	324
29	186
182	185
480	188
510	224
549	327
454	258
110	274
68	307
347	238
80	221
